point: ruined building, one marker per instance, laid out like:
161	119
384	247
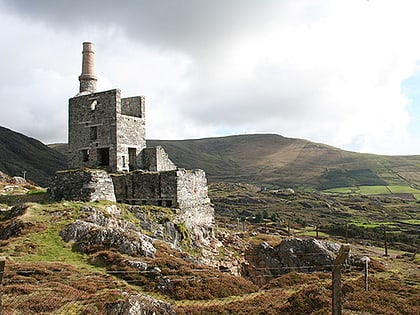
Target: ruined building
109	159
105	130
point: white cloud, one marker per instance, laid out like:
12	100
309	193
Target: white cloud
328	71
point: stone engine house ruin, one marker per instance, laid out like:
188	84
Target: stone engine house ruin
109	159
105	130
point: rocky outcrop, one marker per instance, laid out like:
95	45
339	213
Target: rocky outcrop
159	223
97	231
4	177
139	305
292	254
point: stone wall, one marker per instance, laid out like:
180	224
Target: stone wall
156	159
133	106
92	126
194	204
141	188
185	191
131	133
83	185
104	129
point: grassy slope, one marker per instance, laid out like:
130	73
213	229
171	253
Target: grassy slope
46	273
285	162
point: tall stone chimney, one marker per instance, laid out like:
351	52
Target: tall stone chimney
87	78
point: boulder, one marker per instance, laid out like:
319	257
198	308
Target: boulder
96	230
139	304
292	254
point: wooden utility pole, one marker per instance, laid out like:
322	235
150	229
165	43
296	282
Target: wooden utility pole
336	279
385	241
288	227
317	229
2	264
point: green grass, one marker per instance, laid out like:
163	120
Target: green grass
51	247
411	221
398	189
341	190
376	190
37	191
313	234
372	225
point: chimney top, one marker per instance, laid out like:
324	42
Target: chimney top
87	78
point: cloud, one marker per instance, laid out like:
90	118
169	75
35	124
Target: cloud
328	71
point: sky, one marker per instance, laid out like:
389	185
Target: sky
339	72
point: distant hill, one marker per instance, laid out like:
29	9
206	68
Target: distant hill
19	153
287	162
260	158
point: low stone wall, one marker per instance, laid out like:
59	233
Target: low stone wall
196	211
151	188
156	159
83	185
183	190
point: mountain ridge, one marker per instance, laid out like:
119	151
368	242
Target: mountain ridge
287	162
20	153
265	159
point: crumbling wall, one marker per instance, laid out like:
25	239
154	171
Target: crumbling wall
141	187
131	133
133	106
185	191
194	204
83	185
104	121
156	159
92	126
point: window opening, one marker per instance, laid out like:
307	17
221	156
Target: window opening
103	156
94	133
132	152
85	155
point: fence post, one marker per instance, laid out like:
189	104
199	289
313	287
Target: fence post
366	260
2	264
336	279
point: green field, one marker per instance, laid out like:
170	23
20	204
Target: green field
377	190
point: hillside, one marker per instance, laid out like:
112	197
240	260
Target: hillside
19	153
91	258
267	159
286	162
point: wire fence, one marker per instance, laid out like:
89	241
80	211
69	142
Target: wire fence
62	290
58	291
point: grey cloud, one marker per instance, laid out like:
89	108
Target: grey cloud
195	26
272	91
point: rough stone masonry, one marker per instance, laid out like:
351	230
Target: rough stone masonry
109	159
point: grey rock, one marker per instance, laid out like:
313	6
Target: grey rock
292	254
137	264
139	305
97	229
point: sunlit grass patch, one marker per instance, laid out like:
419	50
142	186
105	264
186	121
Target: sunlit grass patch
374	190
396	189
341	190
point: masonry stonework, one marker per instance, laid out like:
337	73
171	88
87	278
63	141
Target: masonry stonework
156	159
110	160
106	131
82	185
